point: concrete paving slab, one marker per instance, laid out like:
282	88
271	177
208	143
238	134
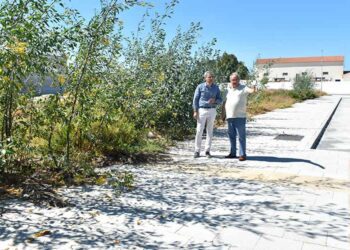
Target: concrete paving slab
277	243
337	135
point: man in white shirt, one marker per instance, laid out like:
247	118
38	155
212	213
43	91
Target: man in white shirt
236	115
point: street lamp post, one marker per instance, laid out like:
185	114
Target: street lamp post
322	70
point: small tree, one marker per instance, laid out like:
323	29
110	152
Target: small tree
264	81
303	87
242	70
255	78
255	75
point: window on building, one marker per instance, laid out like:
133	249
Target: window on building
325	73
279	79
284	73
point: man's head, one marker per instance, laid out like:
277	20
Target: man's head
208	77
234	80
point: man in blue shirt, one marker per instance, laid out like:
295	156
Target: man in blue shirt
206	97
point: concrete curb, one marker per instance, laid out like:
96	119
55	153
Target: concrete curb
314	140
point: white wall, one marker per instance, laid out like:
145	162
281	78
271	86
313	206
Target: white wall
335	70
332	88
346	77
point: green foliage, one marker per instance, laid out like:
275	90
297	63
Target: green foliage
264	80
29	29
6	152
226	64
115	89
303	87
242	71
160	77
124	181
117	137
256	77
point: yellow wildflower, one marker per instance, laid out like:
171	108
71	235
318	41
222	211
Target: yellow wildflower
6	79
145	65
161	77
61	79
101	180
19	48
105	41
9	65
147	93
117	46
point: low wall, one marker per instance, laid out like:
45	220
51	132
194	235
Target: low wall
332	88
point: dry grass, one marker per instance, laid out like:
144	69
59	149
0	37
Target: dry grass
266	101
263	176
269	100
7	192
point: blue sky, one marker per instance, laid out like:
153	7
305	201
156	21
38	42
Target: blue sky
253	28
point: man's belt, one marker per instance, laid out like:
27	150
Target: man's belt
207	107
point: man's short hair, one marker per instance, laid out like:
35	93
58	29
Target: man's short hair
235	74
206	73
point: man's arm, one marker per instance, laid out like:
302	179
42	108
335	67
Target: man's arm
218	97
196	102
252	90
196	97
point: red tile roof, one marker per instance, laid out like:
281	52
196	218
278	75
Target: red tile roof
301	59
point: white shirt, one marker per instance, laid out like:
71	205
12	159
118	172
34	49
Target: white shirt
236	101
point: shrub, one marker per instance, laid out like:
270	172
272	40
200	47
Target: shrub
303	87
114	88
117	137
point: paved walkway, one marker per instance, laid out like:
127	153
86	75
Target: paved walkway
337	136
286	196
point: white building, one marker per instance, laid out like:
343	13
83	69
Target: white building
323	68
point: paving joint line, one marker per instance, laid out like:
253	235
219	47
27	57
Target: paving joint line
325	126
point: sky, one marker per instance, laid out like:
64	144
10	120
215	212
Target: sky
252	29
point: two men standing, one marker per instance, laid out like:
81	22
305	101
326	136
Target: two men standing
207	96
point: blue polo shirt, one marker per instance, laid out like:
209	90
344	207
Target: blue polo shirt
202	95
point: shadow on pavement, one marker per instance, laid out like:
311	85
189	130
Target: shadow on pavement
163	204
282	159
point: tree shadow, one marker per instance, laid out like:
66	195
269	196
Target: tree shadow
164	203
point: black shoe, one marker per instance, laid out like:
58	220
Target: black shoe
196	155
207	154
230	156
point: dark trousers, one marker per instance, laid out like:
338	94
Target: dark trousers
236	126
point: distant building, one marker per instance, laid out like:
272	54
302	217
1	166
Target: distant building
346	76
323	68
41	86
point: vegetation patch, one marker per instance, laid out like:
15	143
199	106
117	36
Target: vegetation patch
268	100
